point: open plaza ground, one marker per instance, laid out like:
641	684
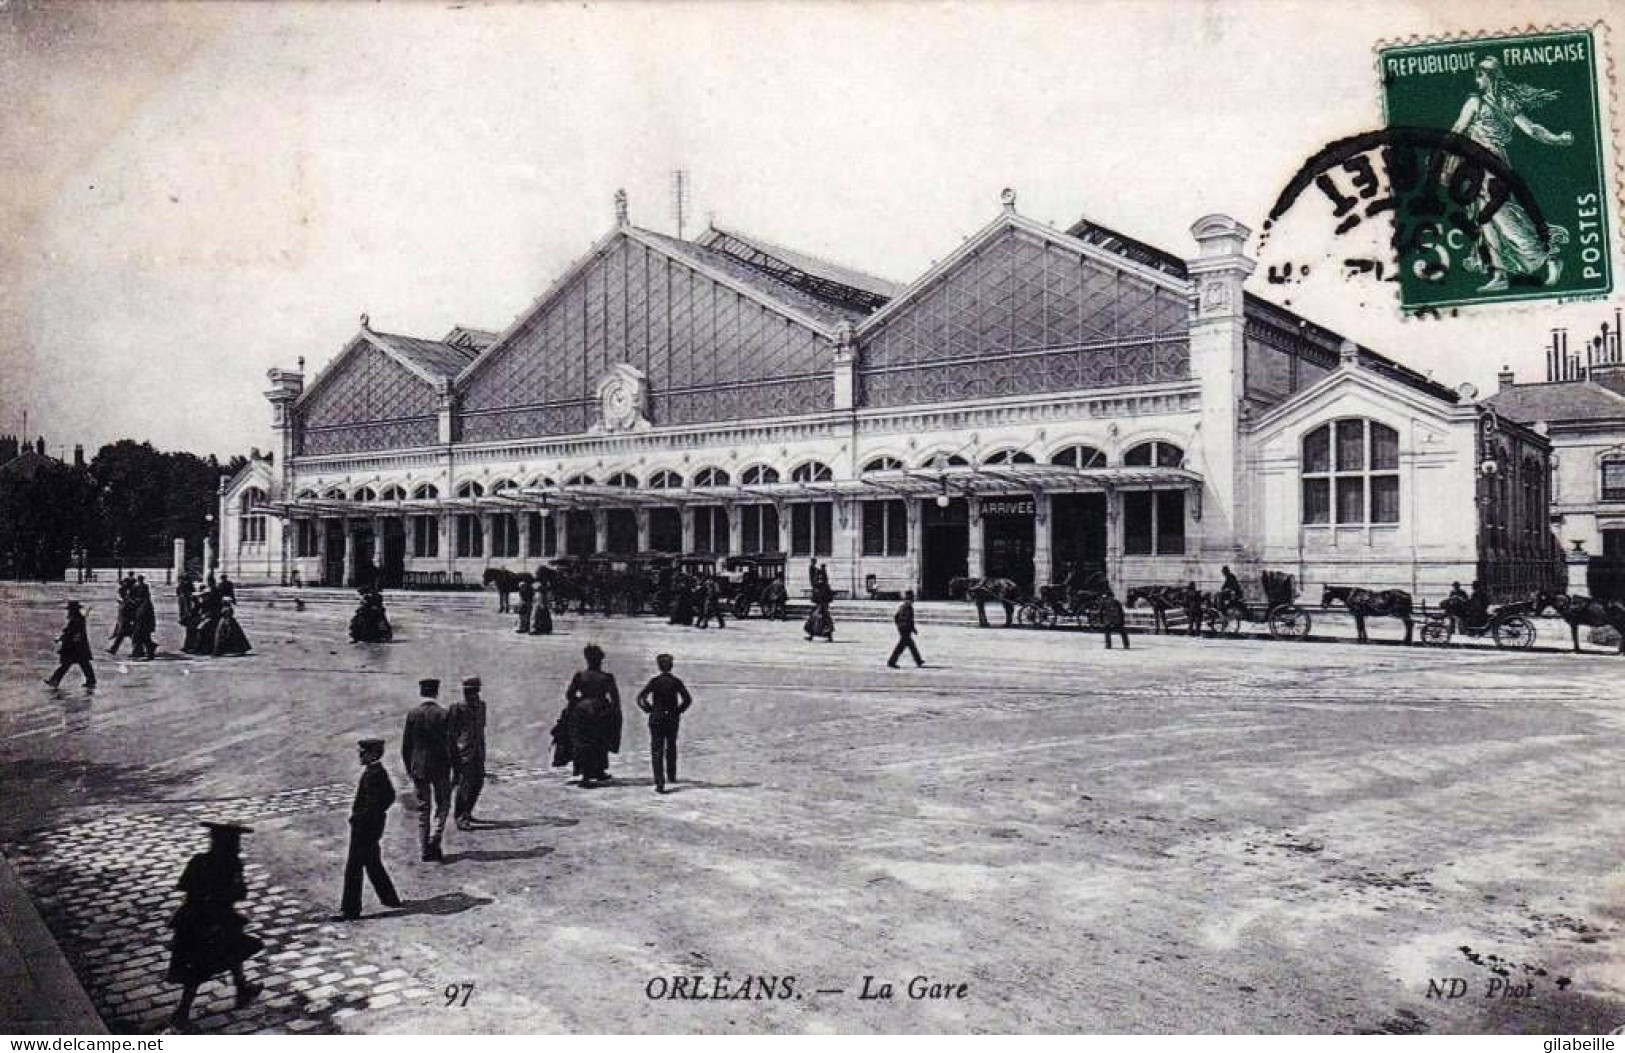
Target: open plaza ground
1195	835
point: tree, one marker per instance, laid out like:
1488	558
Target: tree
44	515
149	498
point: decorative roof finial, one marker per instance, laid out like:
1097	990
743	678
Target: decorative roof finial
1008	197
1348	354
366	323
620	208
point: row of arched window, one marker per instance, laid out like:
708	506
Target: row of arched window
1157	453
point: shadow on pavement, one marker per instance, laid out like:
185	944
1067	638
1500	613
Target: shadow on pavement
498	855
524	824
443	905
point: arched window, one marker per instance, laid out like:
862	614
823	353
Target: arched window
757	475
624	479
470	489
542	482
1350	472
1079	457
306	495
666	480
883	464
501	485
393	493
335	494
580	479
1612	483
251	528
366	493
811	472
425	492
1160	454
952	460
711	477
1008	457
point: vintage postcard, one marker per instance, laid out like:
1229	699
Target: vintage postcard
809	518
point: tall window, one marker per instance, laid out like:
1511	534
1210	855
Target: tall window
885	528
812	529
580	533
811	472
1613	478
425	537
1154	522
758	529
1079	457
1160	454
543	536
621	530
1351	473
251	528
505	534
305	537
711	529
470	538
665	530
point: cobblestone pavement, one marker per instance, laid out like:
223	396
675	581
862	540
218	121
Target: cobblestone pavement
1196	835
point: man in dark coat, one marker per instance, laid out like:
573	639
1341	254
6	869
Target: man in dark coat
373	796
711	605
1112	619
465	727
527	602
144	623
210	936
665	698
73	648
183	598
123	626
904	620
426	752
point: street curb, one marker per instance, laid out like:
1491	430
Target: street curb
43	994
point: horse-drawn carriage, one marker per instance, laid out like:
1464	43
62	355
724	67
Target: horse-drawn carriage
757	581
1061	602
672	574
1224	612
1509	625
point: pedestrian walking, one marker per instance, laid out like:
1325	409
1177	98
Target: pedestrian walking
665	699
73	648
1112	619
144	622
527	602
373	797
465	727
711	605
126	614
210	936
820	622
426	752
541	615
904	620
593	718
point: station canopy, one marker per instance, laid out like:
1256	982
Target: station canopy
955	480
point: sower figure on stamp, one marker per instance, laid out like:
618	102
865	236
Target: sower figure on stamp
465	724
210	936
373	797
73	648
426	752
904	620
665	698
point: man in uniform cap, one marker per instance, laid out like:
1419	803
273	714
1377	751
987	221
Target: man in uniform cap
426	751
465	727
373	797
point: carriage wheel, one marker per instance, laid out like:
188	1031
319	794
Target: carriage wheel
1030	616
741	606
1289	622
1436	632
1515	632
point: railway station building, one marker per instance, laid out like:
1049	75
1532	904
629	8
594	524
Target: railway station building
1039	400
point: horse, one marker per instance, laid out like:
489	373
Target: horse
1583	610
1365	603
506	582
1160	598
980	590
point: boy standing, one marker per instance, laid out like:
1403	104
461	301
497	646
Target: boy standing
665	698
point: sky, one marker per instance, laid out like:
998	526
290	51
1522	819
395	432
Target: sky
197	193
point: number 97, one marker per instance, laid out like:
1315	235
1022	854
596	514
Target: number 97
458	994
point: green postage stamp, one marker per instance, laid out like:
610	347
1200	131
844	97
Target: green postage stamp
1502	142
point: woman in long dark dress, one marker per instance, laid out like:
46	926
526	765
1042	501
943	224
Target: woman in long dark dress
593	711
210	936
229	637
541	614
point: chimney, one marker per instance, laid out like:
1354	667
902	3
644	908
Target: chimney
1505	377
39	446
78	455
